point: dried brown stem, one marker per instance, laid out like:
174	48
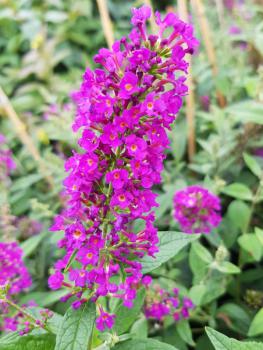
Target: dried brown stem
106	22
190	99
20	129
208	43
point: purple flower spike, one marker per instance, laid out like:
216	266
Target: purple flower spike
124	109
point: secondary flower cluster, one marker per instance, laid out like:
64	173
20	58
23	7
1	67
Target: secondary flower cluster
159	303
14	278
24	321
12	268
6	161
123	110
196	209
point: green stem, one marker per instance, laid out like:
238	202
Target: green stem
25	313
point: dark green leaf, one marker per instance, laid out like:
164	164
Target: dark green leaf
28	342
185	332
256	326
143	344
125	316
76	328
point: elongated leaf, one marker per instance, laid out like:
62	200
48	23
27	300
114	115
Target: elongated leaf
239	213
227	267
184	330
247	112
44	298
170	244
252	165
202	252
31	243
256	326
76	328
222	342
238	190
238	316
143	344
251	244
28	342
125	317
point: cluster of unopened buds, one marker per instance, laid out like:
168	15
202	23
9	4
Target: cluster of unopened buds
160	303
29	323
123	109
23	320
197	210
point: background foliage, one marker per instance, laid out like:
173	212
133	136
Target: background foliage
45	47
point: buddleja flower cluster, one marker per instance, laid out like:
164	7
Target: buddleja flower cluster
160	303
14	276
123	109
197	210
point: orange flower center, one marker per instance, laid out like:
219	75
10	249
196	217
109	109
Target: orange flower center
77	234
89	255
90	162
150	105
121	198
116	176
128	87
134	148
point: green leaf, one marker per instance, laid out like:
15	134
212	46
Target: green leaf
197	265
170	244
253	165
44	298
184	330
25	182
251	244
52	322
235	317
140	329
256	326
222	342
239	213
125	316
143	344
238	190
31	243
259	235
247	112
196	293
227	267
202	252
28	342
76	328
215	287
